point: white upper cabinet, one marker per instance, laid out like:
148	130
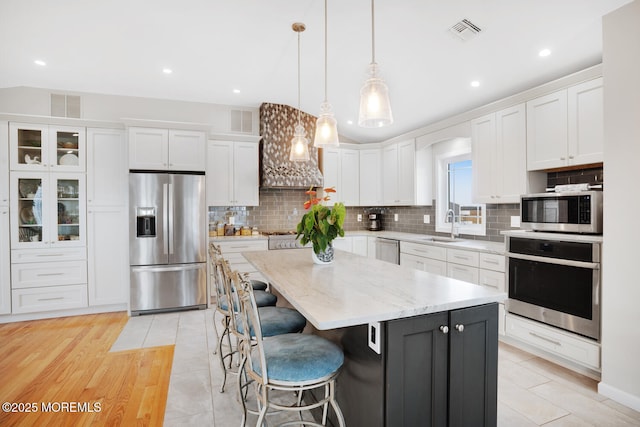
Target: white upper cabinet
35	147
499	156
106	167
232	173
565	128
341	170
586	116
398	173
187	150
371	177
167	149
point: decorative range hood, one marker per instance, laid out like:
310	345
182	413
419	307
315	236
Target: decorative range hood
277	123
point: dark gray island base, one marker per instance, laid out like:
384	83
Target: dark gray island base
438	360
423	376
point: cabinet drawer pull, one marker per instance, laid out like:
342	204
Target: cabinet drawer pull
50	299
491	261
50	274
466	258
453	267
459	328
558	343
444	329
49	255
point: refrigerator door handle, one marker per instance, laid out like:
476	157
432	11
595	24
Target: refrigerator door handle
165	219
171	227
162	269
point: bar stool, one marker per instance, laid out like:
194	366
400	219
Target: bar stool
287	362
276	320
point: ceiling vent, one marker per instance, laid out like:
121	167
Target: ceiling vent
65	106
465	30
241	121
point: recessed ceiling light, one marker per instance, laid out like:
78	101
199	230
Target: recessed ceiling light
349	122
236	91
40	62
544	52
167	70
475	83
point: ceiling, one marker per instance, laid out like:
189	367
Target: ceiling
213	47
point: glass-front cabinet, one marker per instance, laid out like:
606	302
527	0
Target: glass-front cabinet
48	209
36	147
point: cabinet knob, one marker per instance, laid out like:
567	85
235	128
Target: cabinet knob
459	328
444	329
571	156
562	158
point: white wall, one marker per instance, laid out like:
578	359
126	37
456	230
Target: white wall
621	284
112	108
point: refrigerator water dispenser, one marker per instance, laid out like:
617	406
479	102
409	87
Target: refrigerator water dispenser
145	222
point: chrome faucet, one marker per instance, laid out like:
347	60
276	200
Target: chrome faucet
453	221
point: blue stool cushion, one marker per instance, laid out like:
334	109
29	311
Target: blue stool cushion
258	285
299	357
265	299
223	303
277	321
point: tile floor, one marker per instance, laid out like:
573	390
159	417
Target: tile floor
531	391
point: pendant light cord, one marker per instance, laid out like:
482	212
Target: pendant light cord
373	37
325	50
298	77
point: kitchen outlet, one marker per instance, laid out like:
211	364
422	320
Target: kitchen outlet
232	220
515	221
395	217
426	219
359	217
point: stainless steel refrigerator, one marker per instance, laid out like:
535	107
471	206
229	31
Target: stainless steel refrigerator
167	241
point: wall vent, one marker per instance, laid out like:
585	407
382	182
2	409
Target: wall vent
65	106
465	30
241	121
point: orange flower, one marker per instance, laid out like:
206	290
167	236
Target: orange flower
330	190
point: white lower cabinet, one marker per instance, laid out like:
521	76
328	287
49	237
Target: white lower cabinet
32	300
463	272
232	252
47	280
425	264
5	265
582	351
359	245
480	268
108	262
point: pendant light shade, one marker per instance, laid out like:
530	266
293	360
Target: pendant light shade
375	107
326	125
299	143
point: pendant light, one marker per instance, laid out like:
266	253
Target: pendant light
326	125
375	108
299	143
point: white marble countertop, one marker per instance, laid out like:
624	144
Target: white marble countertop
356	290
476	245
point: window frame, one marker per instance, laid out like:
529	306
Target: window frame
453	151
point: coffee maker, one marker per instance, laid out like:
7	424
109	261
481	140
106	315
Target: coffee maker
375	221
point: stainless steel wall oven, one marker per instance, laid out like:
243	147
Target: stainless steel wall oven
555	282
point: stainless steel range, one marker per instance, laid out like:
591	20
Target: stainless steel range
282	240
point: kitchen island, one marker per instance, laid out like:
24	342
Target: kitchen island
420	349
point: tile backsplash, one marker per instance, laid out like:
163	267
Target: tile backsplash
281	209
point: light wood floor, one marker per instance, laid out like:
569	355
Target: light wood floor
47	364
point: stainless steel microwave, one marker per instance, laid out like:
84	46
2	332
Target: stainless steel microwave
570	212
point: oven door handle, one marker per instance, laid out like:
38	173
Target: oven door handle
571	263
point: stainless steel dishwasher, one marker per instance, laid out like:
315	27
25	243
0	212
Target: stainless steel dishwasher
388	250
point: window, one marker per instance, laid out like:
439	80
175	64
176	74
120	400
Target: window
454	199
